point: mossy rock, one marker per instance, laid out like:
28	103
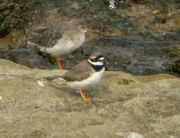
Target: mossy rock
4	27
5	13
3	6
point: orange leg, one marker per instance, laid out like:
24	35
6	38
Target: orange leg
58	62
83	95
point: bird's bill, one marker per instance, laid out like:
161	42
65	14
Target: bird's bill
88	30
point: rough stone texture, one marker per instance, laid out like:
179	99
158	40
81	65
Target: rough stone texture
120	104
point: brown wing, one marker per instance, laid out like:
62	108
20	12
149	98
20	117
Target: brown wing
45	35
48	34
79	72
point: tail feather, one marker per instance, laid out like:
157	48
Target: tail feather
33	44
55	78
41	48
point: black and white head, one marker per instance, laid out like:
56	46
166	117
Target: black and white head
96	60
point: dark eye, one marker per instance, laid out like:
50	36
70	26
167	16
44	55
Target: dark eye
98	58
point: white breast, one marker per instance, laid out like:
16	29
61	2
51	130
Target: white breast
66	45
90	81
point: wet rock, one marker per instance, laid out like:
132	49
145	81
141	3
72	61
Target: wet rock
3	6
136	54
139	36
130	54
12	40
4	29
176	67
113	32
5	10
2	52
28	58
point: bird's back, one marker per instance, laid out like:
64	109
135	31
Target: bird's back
79	72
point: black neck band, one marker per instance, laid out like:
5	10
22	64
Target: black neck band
97	67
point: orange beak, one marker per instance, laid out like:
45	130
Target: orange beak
88	30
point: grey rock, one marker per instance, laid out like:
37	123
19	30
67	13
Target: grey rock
27	58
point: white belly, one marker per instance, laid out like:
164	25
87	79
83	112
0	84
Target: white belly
65	46
92	80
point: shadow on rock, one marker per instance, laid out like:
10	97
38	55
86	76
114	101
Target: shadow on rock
28	58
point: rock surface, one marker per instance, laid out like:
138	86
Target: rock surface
31	106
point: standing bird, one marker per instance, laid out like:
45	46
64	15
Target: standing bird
58	38
85	74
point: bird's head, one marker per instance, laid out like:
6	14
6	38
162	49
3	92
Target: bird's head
96	59
84	28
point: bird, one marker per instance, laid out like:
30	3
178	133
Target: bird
85	74
58	38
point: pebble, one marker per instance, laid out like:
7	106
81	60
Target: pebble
133	135
40	83
1	98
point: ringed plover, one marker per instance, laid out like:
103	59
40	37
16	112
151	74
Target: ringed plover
85	74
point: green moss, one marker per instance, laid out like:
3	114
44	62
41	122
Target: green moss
1	17
4	29
3	6
36	106
5	13
124	82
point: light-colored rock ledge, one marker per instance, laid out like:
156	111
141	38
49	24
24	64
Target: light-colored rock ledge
121	103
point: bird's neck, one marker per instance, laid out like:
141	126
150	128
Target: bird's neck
96	67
